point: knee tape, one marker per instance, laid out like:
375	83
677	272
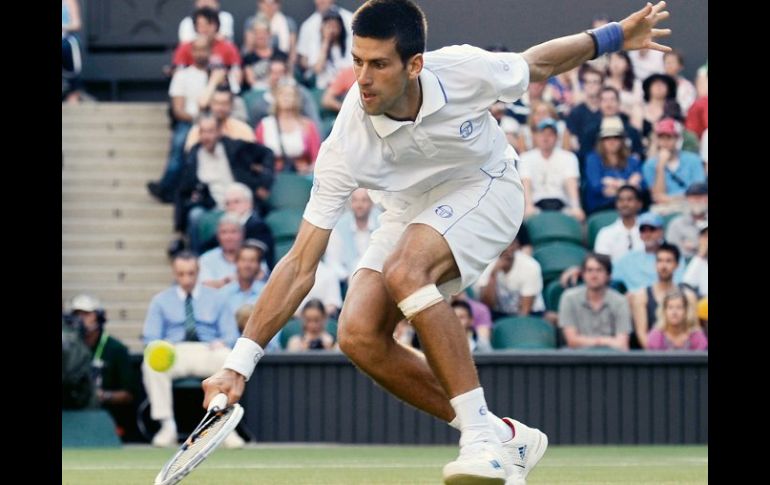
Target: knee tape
425	297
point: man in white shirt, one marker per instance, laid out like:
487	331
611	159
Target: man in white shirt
416	131
187	27
350	237
622	236
550	175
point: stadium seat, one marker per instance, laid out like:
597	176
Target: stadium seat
207	224
553	226
282	248
552	294
292	327
596	221
289	191
284	223
331	327
523	333
557	256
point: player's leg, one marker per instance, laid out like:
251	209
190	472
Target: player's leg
365	334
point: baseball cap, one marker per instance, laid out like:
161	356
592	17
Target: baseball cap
698	188
547	123
611	126
650	219
702	225
85	303
667	126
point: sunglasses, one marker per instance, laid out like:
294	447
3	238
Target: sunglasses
647	228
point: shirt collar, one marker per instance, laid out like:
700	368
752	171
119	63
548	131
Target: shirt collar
433	99
183	296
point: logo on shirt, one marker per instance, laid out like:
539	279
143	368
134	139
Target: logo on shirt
506	67
466	129
483	410
444	211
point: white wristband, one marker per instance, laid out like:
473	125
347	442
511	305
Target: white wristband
244	357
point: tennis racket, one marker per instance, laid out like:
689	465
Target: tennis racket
220	420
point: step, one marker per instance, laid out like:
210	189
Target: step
109	196
113	258
85	180
111	151
109	135
106	242
120	228
113	107
135	274
119	210
135	293
152	167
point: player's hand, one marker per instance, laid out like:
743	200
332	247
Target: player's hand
639	31
225	381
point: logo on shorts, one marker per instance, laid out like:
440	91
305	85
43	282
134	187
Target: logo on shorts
444	211
466	129
483	410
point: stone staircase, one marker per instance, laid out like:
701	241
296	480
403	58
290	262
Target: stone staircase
114	234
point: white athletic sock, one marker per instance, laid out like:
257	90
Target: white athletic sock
168	423
502	430
471	410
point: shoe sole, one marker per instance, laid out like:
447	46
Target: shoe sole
463	479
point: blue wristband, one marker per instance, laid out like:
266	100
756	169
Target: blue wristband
609	38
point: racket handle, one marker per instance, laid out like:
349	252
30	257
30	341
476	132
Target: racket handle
218	403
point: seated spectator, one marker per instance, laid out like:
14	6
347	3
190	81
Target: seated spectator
310	42
214	164
482	320
198	322
636	269
246	286
610	167
327	289
282	28
677	327
224	54
350	237
239	200
217	266
539	111
697	273
221	103
507	123
256	61
584	118
293	138
512	284
111	369
333	54
190	92
593	314
550	175
71	65
260	102
683	230
314	335
646	62
622	78
465	315
670	171
698	115
673	64
644	302
187	28
659	90
338	88
609	106
622	236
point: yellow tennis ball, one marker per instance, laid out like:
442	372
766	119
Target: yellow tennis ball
159	355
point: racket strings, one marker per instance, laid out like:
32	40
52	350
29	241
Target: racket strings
197	441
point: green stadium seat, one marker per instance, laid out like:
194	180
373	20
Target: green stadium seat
290	191
552	294
550	226
282	248
292	327
596	221
523	333
284	223
331	327
207	224
557	256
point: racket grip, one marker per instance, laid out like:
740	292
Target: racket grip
218	403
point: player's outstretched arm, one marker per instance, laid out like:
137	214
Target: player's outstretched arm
565	53
289	283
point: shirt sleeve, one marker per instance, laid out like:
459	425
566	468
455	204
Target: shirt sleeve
623	317
567	312
153	323
508	74
332	185
176	88
533	283
571	165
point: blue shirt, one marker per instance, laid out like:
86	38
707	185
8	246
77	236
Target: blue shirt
166	316
236	298
214	266
595	171
689	171
637	270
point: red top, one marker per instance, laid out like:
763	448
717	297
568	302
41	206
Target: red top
223	52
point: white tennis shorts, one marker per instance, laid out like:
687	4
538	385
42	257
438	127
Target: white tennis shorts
478	215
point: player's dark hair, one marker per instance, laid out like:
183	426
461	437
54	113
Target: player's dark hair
388	19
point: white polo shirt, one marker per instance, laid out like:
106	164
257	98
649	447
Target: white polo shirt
453	135
616	240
